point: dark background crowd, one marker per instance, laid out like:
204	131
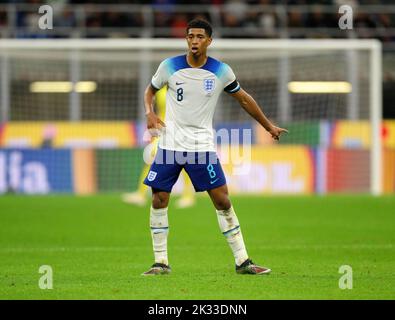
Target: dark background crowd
231	18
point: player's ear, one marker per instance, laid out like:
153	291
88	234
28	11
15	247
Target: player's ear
209	40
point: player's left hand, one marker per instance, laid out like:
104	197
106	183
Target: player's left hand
276	132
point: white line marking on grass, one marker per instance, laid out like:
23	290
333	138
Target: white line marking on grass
64	249
266	247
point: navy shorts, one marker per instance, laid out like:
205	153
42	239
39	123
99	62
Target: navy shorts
203	168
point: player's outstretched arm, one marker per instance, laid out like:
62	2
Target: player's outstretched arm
153	121
249	104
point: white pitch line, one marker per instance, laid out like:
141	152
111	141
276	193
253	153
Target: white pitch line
264	247
64	249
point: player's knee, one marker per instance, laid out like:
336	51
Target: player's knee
222	202
160	200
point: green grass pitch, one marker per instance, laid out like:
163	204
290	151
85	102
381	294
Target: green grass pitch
98	246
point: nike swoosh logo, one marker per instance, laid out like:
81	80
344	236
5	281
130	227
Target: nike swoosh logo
211	182
178	83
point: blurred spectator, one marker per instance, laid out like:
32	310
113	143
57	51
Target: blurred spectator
388	95
364	25
264	2
382	23
316	19
234	13
352	3
296	24
237	9
163	5
65	19
114	19
204	16
197	2
295	19
321	23
251	24
162	19
267	22
3	18
178	25
94	20
265	19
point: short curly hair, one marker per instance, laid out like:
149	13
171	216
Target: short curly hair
201	24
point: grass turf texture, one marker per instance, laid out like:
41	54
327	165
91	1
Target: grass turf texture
99	246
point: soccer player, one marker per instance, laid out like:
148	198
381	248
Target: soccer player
186	141
139	197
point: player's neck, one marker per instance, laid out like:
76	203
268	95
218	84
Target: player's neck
196	61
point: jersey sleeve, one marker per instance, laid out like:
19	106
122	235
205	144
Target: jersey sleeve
161	75
231	85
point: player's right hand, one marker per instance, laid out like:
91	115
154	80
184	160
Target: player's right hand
276	132
154	124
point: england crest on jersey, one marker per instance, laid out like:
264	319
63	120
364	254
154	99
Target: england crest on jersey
209	85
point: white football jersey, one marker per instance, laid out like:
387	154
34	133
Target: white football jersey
191	99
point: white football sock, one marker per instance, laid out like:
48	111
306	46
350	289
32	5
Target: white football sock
229	225
159	230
